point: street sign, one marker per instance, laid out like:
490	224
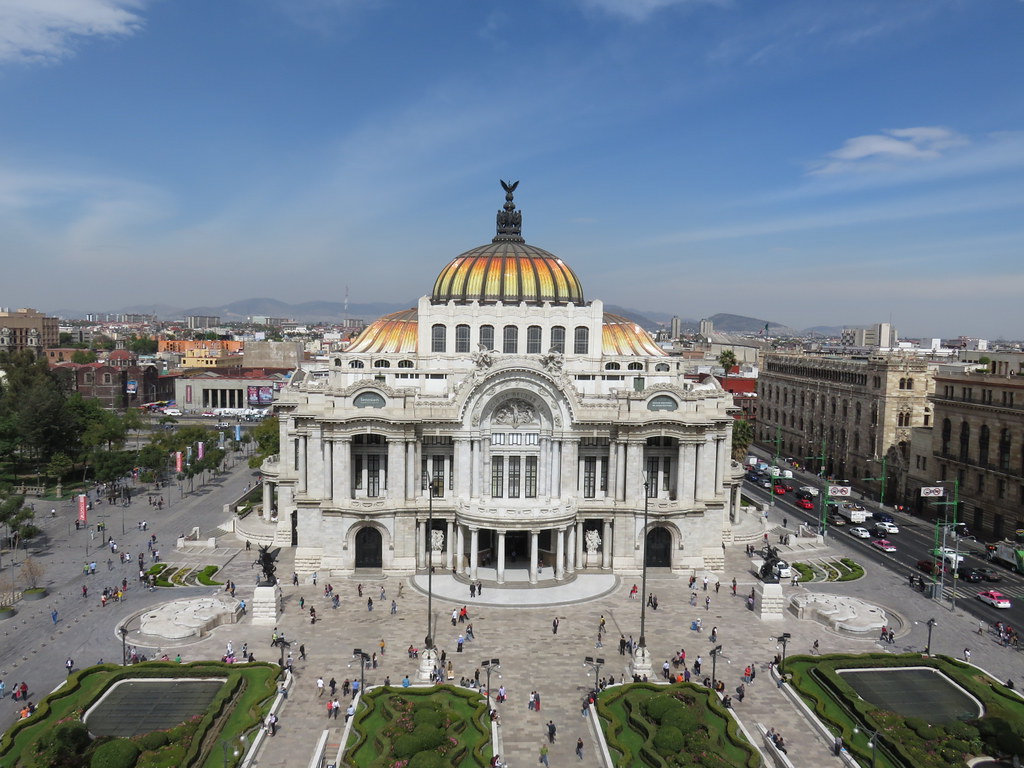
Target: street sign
933	492
839	490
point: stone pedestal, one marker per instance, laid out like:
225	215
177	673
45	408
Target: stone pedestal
428	660
642	663
769	601
264	606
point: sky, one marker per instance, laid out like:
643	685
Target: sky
812	163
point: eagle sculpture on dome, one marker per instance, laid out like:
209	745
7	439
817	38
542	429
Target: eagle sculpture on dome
510	221
509	187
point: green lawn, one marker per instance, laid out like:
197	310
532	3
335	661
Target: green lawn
676	726
909	742
53	736
421	728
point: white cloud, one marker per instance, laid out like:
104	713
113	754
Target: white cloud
639	10
46	30
891	146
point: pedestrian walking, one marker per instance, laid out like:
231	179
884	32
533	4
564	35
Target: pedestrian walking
319	687
333	685
554	626
705	583
734	587
967	654
579	748
302	653
544	755
551	731
707	603
718	585
369	603
53	615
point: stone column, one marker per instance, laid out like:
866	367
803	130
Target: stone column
301	483
606	545
621	466
687	473
474	548
449	547
534	541
462	464
328	451
699	489
560	553
569	484
544	468
342	473
411	490
580	562
268	499
395	477
634	471
421	544
460	545
570	549
501	557
721	461
613	470
475	469
555	463
314	465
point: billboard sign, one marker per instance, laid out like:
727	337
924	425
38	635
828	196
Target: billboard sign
131	387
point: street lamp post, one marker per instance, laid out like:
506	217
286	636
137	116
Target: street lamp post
124	645
775	463
824	497
714	663
363	658
940	560
595	664
641	656
931	626
784	639
872	742
883	479
428	640
488	665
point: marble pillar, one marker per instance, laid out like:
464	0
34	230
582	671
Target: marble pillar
606	545
421	544
328	463
301	482
268	499
570	549
613	471
560	553
460	546
534	555
474	550
449	546
501	557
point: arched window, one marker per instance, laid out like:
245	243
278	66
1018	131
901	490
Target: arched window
910	383
487	336
856	413
462	338
612	366
355	363
846	409
581	343
947	435
337	362
405	364
965	440
635	367
661	367
533	340
438	338
381	364
510	340
833	406
558	338
983	437
903	383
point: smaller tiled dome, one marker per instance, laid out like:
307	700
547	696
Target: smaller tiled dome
395	333
623	337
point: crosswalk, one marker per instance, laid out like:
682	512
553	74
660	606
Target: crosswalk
1012	591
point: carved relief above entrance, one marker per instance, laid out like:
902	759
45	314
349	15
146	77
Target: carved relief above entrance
515	413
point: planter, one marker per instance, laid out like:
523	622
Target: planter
36	593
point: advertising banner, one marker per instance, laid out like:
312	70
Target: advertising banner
266	395
83	508
252	395
238	433
131	387
201	450
177	461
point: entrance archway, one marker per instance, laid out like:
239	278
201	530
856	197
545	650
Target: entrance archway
659	548
369	548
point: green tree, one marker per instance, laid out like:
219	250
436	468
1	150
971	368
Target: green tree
268	441
35	422
64	338
59	466
742	437
112	465
143	345
83	356
727	359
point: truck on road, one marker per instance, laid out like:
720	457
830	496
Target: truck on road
1008	553
854	513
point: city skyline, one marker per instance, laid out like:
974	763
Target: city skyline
811	164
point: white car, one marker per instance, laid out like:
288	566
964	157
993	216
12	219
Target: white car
949	555
887	527
808	489
860	533
782	570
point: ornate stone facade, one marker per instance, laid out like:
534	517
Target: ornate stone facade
539	444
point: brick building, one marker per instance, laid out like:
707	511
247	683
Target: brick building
28	329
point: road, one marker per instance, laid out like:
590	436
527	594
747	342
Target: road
914	542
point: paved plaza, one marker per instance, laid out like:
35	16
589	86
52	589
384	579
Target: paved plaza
508	624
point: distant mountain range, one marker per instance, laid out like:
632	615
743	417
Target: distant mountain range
335	312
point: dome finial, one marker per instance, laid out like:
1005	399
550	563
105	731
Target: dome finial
510	221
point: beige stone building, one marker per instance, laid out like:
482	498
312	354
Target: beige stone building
978	441
28	329
853	411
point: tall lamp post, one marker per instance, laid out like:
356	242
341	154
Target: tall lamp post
775	463
714	663
124	645
363	658
641	656
931	626
882	479
488	665
429	655
955	504
784	639
594	664
824	497
872	742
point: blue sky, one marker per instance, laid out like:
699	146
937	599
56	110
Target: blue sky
811	162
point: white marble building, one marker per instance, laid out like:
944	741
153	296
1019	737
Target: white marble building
540	418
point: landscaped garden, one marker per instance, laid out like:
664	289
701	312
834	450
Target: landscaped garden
830	569
675	726
937	725
56	737
438	727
